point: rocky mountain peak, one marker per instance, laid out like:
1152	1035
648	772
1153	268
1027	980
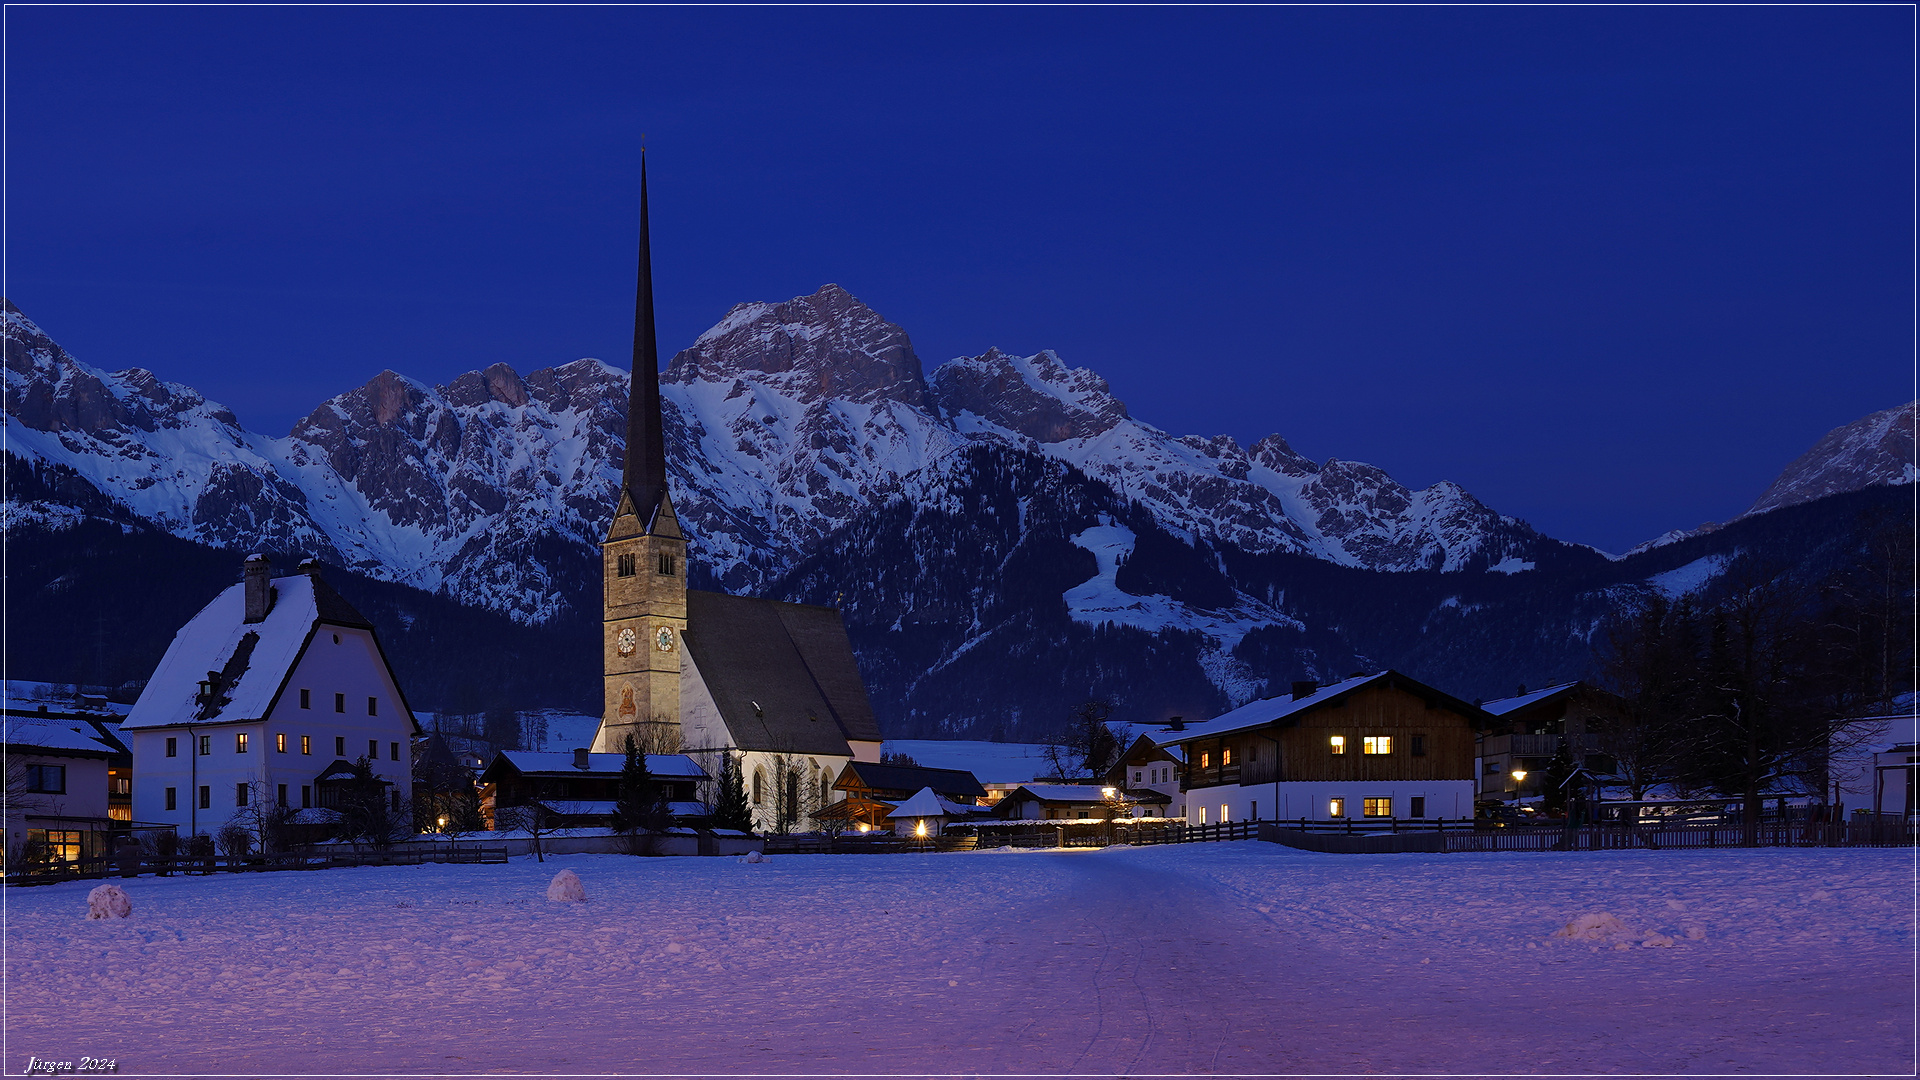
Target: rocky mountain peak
812	348
498	383
1274	453
1036	396
1875	449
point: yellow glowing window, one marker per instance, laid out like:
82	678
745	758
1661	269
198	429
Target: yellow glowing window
1376	807
1226	755
1336	808
1206	759
1377	744
1338	744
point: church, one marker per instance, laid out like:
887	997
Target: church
773	684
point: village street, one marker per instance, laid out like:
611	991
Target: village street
1205	958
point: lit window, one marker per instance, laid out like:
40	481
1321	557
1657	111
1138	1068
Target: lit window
239	742
1203	814
1338	744
1336	808
306	744
1376	807
1377	744
1206	759
1223	813
280	741
1226	757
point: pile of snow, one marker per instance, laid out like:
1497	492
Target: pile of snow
108	902
1593	926
753	856
566	886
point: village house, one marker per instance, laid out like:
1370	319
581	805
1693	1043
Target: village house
1526	731
869	792
579	790
1372	746
1150	775
59	789
1054	802
925	814
271	692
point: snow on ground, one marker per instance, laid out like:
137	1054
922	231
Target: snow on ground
1691	578
1217	958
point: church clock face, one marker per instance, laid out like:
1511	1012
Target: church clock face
625	641
664	639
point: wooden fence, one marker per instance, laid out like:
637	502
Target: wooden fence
108	867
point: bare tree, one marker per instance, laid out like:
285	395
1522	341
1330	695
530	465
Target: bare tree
1085	746
528	819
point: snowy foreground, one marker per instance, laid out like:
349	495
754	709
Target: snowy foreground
1218	958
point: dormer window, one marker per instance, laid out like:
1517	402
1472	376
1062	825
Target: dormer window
624	565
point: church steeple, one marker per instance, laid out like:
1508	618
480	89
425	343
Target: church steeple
643	559
643	479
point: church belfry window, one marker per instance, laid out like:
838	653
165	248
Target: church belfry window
666	564
623	565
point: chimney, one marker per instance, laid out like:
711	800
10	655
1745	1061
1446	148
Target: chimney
580	758
257	574
1176	723
310	566
1522	692
1304	688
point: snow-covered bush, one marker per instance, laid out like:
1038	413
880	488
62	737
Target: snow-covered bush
566	886
108	902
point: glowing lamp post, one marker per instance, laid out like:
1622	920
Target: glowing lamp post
920	830
1519	778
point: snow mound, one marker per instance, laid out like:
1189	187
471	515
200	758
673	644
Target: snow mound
1593	926
108	902
566	886
753	856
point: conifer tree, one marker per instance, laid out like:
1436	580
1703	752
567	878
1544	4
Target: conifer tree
730	809
636	802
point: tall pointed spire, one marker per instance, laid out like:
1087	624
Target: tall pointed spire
644	476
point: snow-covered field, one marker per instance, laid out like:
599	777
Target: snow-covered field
1205	958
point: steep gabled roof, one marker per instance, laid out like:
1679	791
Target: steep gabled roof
926	803
782	675
252	660
57	736
1283	711
1503	706
880	777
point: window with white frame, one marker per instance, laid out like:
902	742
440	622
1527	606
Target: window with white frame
1377	744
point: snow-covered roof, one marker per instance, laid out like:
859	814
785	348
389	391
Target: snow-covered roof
1268	711
669	766
1505	705
254	658
68	735
1064	792
925	803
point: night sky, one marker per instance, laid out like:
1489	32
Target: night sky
1608	268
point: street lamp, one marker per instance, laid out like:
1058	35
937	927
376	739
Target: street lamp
1519	776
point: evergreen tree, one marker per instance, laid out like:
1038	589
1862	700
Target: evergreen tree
636	805
730	809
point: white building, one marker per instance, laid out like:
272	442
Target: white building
57	790
275	685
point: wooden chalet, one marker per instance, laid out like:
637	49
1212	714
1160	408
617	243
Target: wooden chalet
1383	745
870	791
1526	730
580	789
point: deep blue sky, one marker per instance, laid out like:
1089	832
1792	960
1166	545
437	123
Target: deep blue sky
1609	268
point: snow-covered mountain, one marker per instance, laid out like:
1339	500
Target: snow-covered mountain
785	421
1875	449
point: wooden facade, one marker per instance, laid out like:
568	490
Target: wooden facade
1429	736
